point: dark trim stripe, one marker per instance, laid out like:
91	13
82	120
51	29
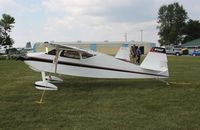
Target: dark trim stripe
43	86
50	79
88	66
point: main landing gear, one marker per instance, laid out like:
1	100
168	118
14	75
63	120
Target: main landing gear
46	83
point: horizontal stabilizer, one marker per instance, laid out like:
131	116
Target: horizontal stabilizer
53	79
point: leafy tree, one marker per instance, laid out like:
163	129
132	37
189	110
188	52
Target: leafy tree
171	20
6	24
191	31
1	37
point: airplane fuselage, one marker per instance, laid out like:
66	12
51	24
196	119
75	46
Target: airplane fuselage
95	66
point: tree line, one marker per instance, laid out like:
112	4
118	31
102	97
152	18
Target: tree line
174	25
6	25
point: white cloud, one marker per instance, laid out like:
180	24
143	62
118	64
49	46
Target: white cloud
65	20
7	3
89	19
15	8
9	6
65	5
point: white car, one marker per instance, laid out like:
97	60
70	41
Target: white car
2	50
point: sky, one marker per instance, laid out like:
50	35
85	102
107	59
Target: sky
87	20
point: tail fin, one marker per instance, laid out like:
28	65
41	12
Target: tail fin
156	60
123	53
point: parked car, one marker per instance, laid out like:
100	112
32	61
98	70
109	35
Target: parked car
174	51
196	53
177	51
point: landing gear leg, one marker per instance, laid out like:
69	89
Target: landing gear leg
44	85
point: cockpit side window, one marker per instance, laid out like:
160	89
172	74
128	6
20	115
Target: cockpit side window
52	52
70	54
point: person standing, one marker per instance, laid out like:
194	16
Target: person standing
133	53
138	54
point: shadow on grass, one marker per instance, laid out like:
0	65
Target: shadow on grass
88	84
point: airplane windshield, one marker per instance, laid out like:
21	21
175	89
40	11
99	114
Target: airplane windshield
75	54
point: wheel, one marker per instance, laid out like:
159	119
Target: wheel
177	54
193	55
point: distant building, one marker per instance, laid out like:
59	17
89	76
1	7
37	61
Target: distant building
192	45
107	47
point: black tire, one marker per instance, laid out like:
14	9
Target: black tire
193	55
177	54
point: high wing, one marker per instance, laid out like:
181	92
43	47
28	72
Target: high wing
60	46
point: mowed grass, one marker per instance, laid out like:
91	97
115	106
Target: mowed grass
85	103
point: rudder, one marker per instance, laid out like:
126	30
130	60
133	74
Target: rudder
156	60
123	53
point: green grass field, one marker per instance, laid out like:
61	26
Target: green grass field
84	103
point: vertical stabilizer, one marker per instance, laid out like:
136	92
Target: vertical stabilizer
156	60
123	53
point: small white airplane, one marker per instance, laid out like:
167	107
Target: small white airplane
75	61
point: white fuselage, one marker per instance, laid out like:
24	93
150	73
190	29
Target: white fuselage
97	66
